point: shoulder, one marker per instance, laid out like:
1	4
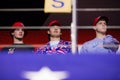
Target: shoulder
89	42
6	49
110	39
43	46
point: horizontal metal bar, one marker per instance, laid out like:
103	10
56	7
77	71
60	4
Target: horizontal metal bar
42	9
21	9
63	27
98	9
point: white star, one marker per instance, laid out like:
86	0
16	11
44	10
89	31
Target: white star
45	74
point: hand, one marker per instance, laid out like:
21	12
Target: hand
110	43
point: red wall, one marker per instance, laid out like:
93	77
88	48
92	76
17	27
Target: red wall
38	37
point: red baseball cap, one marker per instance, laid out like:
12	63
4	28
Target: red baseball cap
18	24
54	22
100	18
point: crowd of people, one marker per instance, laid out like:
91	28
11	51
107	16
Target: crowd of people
103	43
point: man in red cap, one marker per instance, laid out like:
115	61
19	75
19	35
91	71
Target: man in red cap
18	32
102	43
56	45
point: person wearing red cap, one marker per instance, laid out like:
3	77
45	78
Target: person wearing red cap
103	43
18	32
56	45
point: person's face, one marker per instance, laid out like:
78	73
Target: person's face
18	33
101	26
54	31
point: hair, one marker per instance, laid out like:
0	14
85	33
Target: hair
11	31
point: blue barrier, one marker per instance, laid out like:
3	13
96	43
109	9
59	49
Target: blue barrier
73	67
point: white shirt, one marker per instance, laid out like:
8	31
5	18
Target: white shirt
53	44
